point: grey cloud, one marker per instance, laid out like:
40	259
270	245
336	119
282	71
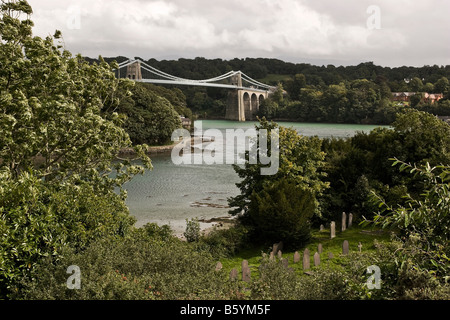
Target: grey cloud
413	32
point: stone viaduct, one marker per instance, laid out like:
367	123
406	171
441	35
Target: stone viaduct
244	103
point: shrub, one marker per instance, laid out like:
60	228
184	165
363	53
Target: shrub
135	267
224	243
192	233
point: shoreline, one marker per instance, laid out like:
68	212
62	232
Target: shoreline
153	150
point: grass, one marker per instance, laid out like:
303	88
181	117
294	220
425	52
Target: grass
354	236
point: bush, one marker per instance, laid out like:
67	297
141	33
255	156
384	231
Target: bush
347	279
224	243
282	212
192	233
137	267
38	219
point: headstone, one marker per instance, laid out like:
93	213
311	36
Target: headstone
277	247
219	266
271	256
234	274
316	259
285	263
333	229
344	221
296	257
330	255
350	220
280	254
306	261
245	271
360	246
322	227
319	248
345	248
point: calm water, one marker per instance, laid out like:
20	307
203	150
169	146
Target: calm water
170	194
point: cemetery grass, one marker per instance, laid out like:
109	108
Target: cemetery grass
355	235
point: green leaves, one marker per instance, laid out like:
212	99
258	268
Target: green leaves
425	219
59	186
301	163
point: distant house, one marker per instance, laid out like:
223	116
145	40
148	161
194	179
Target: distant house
402	96
434	97
406	96
186	122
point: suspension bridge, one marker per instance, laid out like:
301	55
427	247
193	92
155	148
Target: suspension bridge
244	99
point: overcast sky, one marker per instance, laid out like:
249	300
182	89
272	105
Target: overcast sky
340	32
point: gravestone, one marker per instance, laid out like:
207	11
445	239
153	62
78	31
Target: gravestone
350	220
296	257
245	271
234	274
322	227
219	266
333	229
319	248
306	261
271	256
316	259
345	248
285	263
344	221
330	255
277	247
280	254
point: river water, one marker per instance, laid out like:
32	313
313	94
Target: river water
170	194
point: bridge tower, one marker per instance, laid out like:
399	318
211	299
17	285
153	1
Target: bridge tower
243	103
134	71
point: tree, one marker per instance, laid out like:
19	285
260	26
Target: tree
416	84
424	221
294	86
151	119
192	232
282	211
415	137
278	95
442	86
300	163
59	136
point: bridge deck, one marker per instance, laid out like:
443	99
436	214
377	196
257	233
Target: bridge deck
201	84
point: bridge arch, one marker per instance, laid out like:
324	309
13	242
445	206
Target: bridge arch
255	106
261	100
247	105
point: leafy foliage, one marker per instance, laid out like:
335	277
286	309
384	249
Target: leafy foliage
424	220
59	138
138	267
282	211
192	232
151	119
359	165
300	163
